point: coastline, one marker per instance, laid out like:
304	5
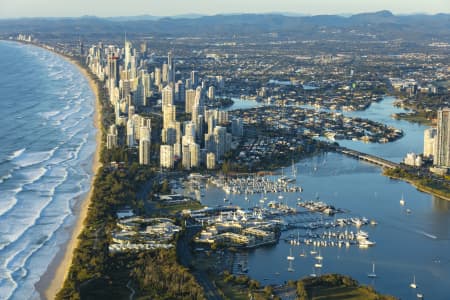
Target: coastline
419	187
53	279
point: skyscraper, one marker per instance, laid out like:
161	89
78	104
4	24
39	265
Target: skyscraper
144	150
169	115
166	156
194	78
130	133
190	98
220	141
171	68
442	155
429	142
211	93
210	161
237	128
194	150
167	96
127	59
111	138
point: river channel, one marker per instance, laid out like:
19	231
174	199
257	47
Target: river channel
411	240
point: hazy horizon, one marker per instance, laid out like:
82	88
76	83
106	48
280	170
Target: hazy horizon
173	8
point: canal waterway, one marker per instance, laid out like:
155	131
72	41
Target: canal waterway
411	240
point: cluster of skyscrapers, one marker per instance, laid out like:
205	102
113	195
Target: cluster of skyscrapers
201	141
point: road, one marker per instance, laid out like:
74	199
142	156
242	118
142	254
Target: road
185	257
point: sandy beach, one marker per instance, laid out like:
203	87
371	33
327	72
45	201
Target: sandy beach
53	279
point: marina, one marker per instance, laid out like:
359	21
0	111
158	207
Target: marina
346	183
255	185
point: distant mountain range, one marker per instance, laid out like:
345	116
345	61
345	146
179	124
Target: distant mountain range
384	24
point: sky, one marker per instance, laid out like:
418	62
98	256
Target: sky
110	8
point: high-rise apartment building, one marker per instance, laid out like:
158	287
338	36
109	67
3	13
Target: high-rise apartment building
166	156
429	142
442	154
144	151
211	93
194	78
210	161
189	98
167	96
111	138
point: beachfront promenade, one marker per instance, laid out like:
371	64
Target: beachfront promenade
368	157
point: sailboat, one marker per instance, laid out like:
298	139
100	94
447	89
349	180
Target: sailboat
373	274
402	201
413	284
319	257
290	256
303	253
313	274
313	251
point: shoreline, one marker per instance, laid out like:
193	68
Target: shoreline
420	188
53	278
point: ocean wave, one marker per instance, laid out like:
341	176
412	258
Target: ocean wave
9	200
30	176
17	153
26	212
5	177
33	158
56	73
63	117
49	114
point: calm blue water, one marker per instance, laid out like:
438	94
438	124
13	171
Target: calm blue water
48	141
416	244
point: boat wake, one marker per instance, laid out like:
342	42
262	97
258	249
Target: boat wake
428	235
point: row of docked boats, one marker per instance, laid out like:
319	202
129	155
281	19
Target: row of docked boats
255	185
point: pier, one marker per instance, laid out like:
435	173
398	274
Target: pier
368	157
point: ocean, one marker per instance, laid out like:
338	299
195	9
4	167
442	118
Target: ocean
47	145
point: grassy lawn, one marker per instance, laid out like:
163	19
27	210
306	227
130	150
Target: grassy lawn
343	292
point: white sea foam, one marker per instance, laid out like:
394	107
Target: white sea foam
17	153
29	159
8	201
5	177
40	185
49	114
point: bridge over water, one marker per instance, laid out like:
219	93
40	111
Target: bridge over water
368	157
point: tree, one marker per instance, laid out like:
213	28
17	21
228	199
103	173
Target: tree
301	291
165	187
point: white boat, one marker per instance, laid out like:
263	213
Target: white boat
362	235
373	274
318	265
402	201
303	253
290	256
313	251
319	257
365	243
313	274
408	211
419	296
413	284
